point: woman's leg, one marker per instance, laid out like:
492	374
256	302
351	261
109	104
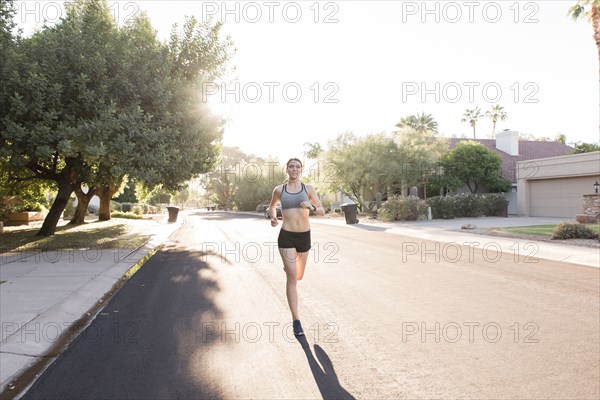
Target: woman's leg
301	259
289	257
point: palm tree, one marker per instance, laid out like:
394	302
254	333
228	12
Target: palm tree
591	10
420	123
471	116
497	113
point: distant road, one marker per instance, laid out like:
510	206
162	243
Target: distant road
386	316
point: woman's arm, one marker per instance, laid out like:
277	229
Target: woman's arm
275	197
315	201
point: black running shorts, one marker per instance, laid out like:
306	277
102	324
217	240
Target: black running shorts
297	240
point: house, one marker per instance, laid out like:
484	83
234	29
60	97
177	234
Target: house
512	150
556	186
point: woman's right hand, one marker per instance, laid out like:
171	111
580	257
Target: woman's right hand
274	222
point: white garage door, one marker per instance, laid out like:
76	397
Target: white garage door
559	197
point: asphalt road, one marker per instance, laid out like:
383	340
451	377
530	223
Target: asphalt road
385	316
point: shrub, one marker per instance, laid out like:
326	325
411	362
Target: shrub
442	207
93	209
494	204
127	215
69	211
126	207
8	205
566	230
115	206
398	208
137	209
468	205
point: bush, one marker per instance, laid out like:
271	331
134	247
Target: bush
115	206
468	205
93	209
127	215
566	230
398	208
442	207
69	211
137	209
8	205
494	204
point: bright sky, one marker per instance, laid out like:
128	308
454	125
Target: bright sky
307	71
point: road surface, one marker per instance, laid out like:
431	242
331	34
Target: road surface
385	316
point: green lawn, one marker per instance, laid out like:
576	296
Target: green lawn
540	230
93	235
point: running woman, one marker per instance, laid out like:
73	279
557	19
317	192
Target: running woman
297	200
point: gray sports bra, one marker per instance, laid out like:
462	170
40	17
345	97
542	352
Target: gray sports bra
293	200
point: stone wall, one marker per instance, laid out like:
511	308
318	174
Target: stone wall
591	207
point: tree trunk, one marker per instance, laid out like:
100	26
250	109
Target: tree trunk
474	132
49	226
83	200
105	195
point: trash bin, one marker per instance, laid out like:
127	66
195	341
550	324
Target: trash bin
350	210
173	213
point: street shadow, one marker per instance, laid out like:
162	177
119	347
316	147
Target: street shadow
149	341
325	377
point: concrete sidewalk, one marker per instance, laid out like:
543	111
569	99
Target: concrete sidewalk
46	296
449	233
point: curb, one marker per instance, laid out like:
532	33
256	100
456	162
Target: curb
107	283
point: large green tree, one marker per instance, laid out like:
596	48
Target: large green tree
362	167
472	164
94	102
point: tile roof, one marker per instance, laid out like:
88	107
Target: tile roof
528	150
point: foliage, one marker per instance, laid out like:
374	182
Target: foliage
69	210
380	163
494	204
586	148
138	209
421	123
138	108
115	206
566	230
472	116
400	208
467	205
442	207
473	165
127	215
496	113
241	180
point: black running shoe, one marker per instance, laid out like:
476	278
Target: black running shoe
298	328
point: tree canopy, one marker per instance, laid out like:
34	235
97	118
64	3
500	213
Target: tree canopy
472	164
90	102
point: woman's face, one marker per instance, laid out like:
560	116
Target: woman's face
294	169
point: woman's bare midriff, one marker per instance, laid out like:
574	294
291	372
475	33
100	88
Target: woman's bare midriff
295	220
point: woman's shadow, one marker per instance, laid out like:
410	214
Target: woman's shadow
327	380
